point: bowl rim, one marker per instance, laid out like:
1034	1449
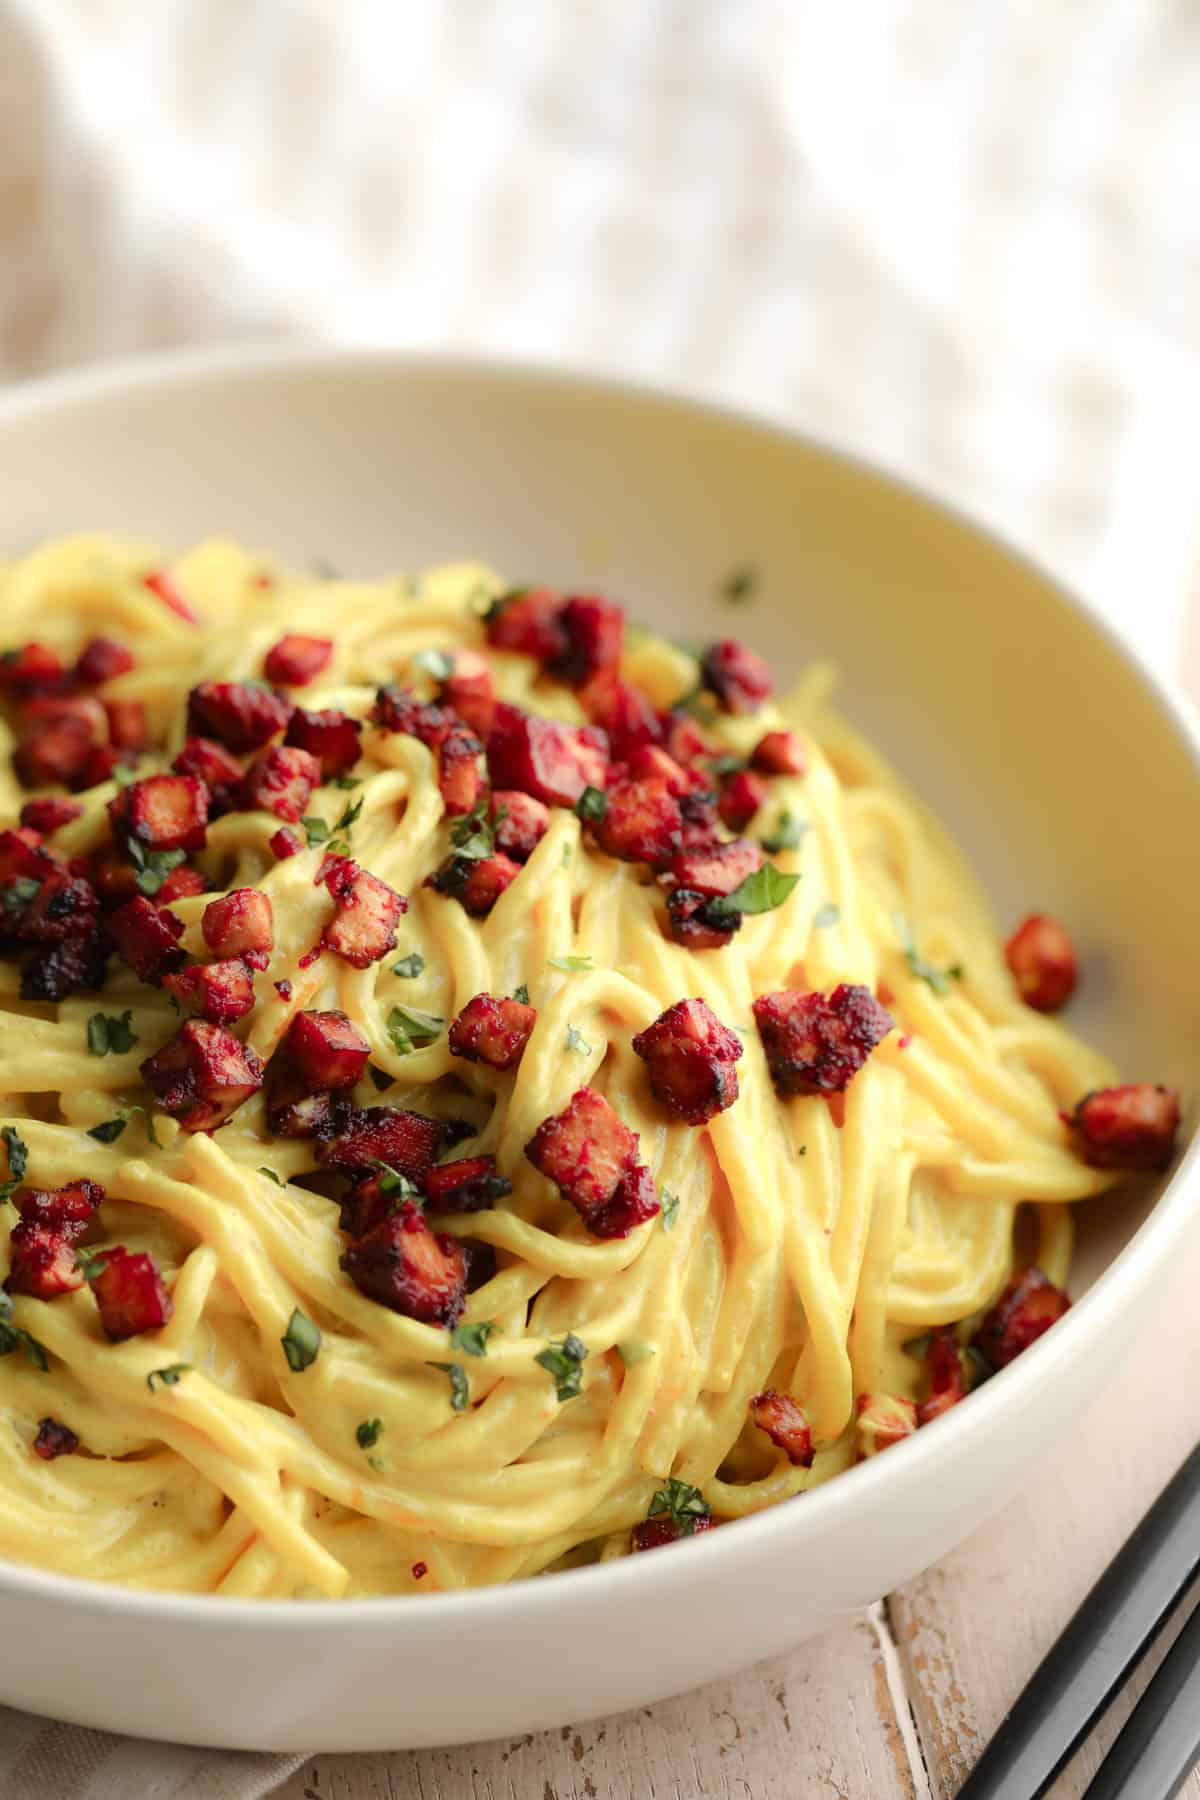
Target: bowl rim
776	1529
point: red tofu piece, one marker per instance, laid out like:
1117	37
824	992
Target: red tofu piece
163	812
717	868
367	911
652	1534
593	639
947	1381
285	843
1029	1305
33	669
817	1044
460	779
883	1420
50	814
519	823
103	659
641	823
623	712
240	923
650	762
585	1150
54	1440
217	768
130	1293
202	1075
64	906
127	726
220	991
469	1185
492	1031
529	621
364	1205
43	1262
1129	1127
399	709
57	750
741	795
737	675
403	1265
166	589
102	763
784	1421
76	963
470	690
690	923
333	737
634	1200
21	856
779	753
294	1109
327	1049
690	1057
239	714
65	1212
296	660
281	781
1042	959
551	761
476	882
683	738
146	937
406	1141
182	884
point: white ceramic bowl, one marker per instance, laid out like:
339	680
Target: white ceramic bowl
1070	774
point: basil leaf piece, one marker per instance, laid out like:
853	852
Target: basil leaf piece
110	1032
350	817
18	1154
168	1377
459	1386
408	1027
271	1175
681	1503
939	980
739	586
19	892
153	866
760	892
301	1342
521	994
367	1433
345	782
787	832
391	1181
316	831
564	1362
473	1338
108	1132
473	836
670	1209
592	804
12	1337
572	965
409	966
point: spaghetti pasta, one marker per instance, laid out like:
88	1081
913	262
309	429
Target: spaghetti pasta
284	1432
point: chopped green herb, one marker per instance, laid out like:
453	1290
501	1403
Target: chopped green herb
111	1129
787	833
521	994
473	836
940	980
271	1175
89	1263
682	1503
407	1027
168	1377
670	1209
380	1077
435	663
409	966
345	782
350	816
728	765
110	1031
367	1433
565	1363
125	774
739	586
633	1353
153	866
18	1160
19	893
13	1338
592	804
473	1338
577	1041
572	965
459	1386
316	831
761	892
829	914
301	1342
802	1150
391	1181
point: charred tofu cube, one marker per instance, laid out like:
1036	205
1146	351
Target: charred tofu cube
585	1150
239	714
492	1031
690	1057
281	781
202	1075
404	1266
816	1044
130	1293
147	938
163	812
333	737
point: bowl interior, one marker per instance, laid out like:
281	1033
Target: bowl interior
1052	759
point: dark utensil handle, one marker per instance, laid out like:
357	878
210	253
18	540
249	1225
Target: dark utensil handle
1081	1673
1160	1743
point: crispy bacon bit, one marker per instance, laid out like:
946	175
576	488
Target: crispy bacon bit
42	1244
101	660
784	1422
641	823
466	1186
459	776
163	812
50	814
363	927
635	1199
127	726
399	709
817	1045
238	714
21	856
53	1440
406	1141
182	884
683	737
405	1267
239	923
689	1056
1029	1305
1130	1127
294	1110
519	823
33	669
947	1381
146	937
327	1049
742	793
296	660
717	868
364	1205
585	1150
551	761
77	963
202	1075
419	1571
220	991
665	1528
779	753
162	584
281	781
623	712
333	737
58	750
530	621
284	843
492	1031
594	636
283	989
64	906
883	1420
470	690
213	764
650	762
738	676
1042	959
102	764
691	924
65	1211
477	883
130	1293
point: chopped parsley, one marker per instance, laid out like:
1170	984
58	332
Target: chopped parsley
760	892
435	663
681	1503
829	914
271	1175
368	1433
111	1129
670	1209
572	965
318	832
301	1342
592	804
577	1041
168	1377
788	831
473	1339
153	866
110	1031
18	1160
460	1389
350	817
13	1338
521	994
474	835
409	966
739	586
345	782
19	893
565	1363
391	1181
90	1264
408	1027
728	765
940	980
125	774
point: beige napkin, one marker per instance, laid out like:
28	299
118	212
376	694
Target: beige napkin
964	239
